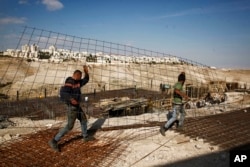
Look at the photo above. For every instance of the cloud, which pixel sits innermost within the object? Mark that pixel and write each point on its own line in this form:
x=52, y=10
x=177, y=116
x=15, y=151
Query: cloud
x=218, y=8
x=12, y=20
x=183, y=13
x=52, y=5
x=22, y=2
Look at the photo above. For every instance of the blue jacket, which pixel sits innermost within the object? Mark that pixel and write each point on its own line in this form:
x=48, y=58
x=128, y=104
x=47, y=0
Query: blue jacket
x=72, y=89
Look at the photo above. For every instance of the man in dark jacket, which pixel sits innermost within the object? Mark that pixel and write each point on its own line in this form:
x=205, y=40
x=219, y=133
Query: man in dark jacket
x=70, y=93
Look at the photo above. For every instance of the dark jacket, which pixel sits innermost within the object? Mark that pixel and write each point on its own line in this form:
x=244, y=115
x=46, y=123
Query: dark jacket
x=72, y=89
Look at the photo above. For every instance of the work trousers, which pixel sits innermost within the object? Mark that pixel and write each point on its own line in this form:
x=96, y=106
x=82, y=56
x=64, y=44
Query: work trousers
x=73, y=113
x=178, y=109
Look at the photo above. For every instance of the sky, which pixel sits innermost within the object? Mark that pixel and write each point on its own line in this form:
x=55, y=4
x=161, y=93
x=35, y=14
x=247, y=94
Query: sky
x=211, y=32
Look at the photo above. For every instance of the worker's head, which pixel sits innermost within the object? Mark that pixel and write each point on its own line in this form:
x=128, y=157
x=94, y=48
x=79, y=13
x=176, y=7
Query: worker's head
x=182, y=77
x=77, y=75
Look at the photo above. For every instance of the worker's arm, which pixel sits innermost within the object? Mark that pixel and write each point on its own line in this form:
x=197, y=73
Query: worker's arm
x=85, y=80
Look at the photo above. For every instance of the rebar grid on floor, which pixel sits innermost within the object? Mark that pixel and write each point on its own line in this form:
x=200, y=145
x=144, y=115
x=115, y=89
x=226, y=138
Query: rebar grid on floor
x=32, y=150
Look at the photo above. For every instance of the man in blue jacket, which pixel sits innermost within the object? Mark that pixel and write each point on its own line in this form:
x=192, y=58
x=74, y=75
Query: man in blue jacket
x=70, y=93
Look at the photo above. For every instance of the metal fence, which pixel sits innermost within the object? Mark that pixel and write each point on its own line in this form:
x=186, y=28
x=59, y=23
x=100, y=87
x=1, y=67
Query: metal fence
x=129, y=88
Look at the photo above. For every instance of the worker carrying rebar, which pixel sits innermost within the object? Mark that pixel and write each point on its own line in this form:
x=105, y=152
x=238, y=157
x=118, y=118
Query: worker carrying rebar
x=178, y=106
x=70, y=94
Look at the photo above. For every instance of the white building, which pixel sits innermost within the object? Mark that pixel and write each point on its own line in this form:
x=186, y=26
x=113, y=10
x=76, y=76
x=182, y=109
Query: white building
x=59, y=55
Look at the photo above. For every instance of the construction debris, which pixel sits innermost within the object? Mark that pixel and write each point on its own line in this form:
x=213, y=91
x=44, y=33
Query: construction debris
x=123, y=106
x=5, y=122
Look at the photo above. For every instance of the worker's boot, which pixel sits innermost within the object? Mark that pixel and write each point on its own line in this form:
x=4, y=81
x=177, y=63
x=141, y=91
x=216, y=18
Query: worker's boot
x=53, y=144
x=88, y=138
x=163, y=130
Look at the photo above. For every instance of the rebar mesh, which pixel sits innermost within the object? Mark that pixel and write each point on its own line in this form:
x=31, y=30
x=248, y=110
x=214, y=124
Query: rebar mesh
x=137, y=80
x=112, y=66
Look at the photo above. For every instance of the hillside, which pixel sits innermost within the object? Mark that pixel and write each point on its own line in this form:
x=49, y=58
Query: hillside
x=30, y=79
